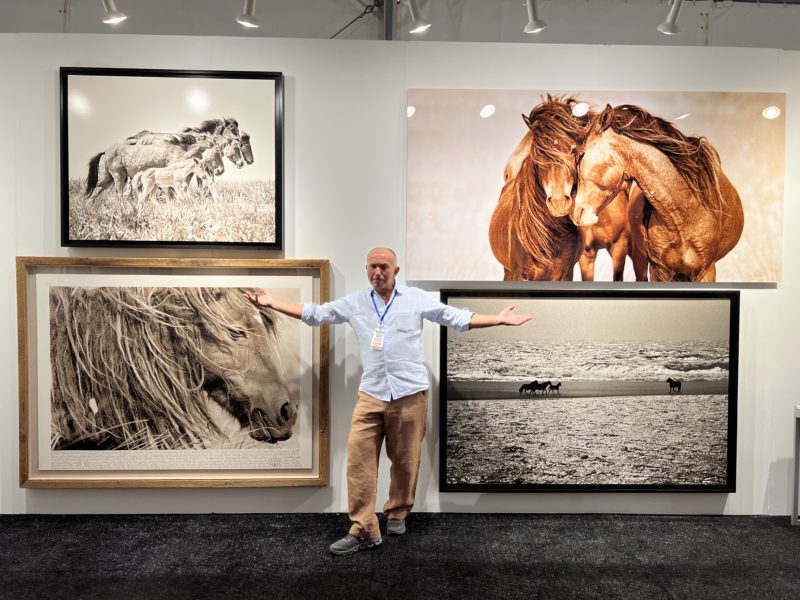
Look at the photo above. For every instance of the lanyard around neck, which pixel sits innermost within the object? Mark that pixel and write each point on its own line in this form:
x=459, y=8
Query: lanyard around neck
x=388, y=306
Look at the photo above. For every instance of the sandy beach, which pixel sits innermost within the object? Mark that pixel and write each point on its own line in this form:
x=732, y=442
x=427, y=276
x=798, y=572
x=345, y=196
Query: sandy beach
x=646, y=440
x=498, y=390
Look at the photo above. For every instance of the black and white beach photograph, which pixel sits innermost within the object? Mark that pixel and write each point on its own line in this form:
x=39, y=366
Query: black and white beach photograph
x=601, y=390
x=171, y=157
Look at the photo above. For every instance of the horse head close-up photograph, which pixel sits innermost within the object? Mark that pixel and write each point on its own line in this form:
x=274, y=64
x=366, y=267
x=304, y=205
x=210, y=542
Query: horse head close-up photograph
x=438, y=299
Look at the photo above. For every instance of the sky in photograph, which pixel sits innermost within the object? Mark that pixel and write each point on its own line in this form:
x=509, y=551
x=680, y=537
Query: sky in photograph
x=599, y=319
x=104, y=110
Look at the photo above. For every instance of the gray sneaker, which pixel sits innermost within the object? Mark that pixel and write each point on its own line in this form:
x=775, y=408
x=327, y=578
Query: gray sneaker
x=396, y=526
x=351, y=543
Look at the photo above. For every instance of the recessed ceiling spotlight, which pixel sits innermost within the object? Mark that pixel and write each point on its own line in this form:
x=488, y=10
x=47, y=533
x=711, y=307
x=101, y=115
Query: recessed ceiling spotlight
x=487, y=111
x=681, y=117
x=410, y=110
x=771, y=112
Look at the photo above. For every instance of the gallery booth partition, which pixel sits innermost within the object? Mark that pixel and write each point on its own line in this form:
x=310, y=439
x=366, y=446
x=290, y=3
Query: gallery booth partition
x=349, y=169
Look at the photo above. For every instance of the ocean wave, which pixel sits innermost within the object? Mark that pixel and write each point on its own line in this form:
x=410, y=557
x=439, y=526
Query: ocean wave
x=506, y=360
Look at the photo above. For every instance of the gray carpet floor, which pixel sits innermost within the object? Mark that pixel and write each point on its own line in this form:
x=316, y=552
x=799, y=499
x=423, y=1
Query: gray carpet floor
x=441, y=556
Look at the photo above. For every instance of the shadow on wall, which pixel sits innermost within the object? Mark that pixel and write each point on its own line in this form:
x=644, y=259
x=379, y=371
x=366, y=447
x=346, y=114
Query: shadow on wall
x=778, y=491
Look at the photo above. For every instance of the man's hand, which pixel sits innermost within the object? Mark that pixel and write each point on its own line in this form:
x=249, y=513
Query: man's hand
x=507, y=317
x=261, y=297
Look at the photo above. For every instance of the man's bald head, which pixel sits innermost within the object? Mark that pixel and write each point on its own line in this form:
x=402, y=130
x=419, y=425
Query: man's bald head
x=382, y=249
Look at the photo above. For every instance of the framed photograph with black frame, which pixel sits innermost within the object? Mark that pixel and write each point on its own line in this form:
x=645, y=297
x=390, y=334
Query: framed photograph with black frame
x=160, y=373
x=601, y=391
x=171, y=158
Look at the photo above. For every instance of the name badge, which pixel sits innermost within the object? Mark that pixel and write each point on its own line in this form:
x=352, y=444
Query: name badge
x=377, y=339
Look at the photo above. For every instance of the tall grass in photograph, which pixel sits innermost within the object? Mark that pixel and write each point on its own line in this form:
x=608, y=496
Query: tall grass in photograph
x=240, y=212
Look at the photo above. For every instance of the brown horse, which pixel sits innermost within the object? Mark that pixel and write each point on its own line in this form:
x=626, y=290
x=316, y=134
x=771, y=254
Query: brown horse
x=690, y=215
x=530, y=243
x=526, y=238
x=613, y=232
x=554, y=133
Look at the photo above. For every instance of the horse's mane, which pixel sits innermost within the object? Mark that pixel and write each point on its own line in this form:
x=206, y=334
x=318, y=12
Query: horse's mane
x=695, y=159
x=541, y=235
x=145, y=138
x=555, y=132
x=215, y=126
x=128, y=365
x=188, y=136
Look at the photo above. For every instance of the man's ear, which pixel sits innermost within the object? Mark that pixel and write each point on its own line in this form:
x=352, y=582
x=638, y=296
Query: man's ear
x=396, y=270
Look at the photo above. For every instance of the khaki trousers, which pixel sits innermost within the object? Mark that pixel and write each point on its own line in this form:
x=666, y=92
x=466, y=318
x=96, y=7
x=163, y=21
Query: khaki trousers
x=402, y=423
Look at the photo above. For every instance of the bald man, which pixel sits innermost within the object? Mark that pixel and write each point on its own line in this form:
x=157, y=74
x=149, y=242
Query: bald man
x=392, y=402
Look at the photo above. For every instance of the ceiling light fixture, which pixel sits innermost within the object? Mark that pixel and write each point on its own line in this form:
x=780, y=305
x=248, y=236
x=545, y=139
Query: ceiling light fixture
x=771, y=112
x=535, y=24
x=670, y=26
x=112, y=16
x=248, y=16
x=418, y=24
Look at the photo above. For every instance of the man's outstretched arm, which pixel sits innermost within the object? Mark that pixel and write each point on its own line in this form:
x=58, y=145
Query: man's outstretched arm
x=262, y=297
x=504, y=317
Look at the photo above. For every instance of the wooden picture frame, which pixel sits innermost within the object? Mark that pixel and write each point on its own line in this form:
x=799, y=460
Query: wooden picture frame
x=603, y=391
x=171, y=158
x=160, y=373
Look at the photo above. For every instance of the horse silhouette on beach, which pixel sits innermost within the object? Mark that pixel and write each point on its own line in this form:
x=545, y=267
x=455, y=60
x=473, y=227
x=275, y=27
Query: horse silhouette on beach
x=542, y=386
x=674, y=385
x=554, y=388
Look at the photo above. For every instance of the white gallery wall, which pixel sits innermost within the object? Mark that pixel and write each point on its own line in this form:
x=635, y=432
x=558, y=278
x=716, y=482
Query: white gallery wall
x=344, y=193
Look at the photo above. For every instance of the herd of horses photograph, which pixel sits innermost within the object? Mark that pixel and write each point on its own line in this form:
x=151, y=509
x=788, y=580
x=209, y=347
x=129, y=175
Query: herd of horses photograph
x=605, y=186
x=172, y=160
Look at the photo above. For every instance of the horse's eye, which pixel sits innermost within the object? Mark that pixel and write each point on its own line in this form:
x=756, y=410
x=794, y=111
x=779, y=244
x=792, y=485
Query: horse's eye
x=237, y=334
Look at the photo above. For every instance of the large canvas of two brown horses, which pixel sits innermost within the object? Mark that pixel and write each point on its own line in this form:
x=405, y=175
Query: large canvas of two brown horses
x=618, y=186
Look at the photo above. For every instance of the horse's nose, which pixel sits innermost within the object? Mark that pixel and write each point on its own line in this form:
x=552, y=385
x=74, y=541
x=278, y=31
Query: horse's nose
x=275, y=427
x=558, y=205
x=584, y=216
x=288, y=414
x=285, y=420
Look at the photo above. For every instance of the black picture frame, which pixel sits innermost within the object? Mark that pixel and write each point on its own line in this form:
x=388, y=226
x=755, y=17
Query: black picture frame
x=610, y=428
x=104, y=112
